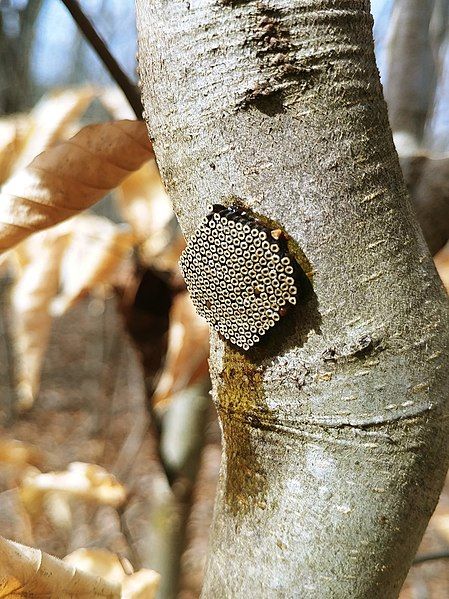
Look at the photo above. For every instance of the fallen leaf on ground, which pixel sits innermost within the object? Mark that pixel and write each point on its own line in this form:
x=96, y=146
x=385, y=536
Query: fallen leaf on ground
x=138, y=585
x=89, y=482
x=28, y=572
x=18, y=453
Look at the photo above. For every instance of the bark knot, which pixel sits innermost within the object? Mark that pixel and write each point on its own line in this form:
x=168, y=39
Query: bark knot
x=363, y=346
x=274, y=58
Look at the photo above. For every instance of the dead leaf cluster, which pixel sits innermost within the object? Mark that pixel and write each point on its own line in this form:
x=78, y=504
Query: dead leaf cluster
x=71, y=254
x=56, y=253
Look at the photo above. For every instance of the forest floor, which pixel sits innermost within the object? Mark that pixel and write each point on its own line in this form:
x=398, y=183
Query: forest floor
x=91, y=409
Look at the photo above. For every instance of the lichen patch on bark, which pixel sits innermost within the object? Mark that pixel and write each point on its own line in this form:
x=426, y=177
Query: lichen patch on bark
x=239, y=398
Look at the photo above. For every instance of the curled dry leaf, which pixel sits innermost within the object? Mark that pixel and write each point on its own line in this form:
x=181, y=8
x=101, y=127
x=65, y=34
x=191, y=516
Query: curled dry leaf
x=99, y=562
x=29, y=572
x=49, y=118
x=70, y=177
x=115, y=102
x=144, y=204
x=97, y=244
x=138, y=585
x=188, y=349
x=49, y=262
x=19, y=454
x=32, y=292
x=442, y=265
x=83, y=481
x=12, y=134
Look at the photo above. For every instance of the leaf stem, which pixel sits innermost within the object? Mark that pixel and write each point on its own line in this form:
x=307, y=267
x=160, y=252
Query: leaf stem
x=130, y=90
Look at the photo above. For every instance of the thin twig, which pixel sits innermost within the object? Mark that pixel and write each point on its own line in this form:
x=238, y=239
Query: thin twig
x=431, y=556
x=130, y=449
x=90, y=33
x=108, y=378
x=124, y=529
x=155, y=426
x=9, y=357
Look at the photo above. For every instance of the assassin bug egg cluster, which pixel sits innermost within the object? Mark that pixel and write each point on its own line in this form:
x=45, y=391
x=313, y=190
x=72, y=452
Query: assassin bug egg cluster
x=239, y=274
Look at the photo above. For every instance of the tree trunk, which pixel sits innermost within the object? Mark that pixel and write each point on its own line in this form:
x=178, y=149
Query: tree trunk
x=182, y=443
x=334, y=428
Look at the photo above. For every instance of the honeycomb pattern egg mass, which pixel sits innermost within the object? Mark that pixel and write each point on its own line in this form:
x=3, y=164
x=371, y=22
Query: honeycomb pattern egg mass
x=239, y=274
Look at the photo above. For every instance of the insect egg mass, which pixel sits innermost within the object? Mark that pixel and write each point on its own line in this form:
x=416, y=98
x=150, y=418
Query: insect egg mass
x=240, y=275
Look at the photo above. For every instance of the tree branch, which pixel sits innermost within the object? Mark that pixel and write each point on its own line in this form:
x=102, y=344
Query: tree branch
x=98, y=44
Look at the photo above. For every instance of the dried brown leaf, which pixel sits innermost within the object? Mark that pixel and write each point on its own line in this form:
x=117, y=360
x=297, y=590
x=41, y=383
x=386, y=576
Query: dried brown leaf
x=70, y=177
x=12, y=134
x=89, y=482
x=442, y=265
x=54, y=269
x=97, y=244
x=36, y=285
x=144, y=204
x=188, y=349
x=49, y=118
x=28, y=572
x=18, y=453
x=138, y=585
x=115, y=102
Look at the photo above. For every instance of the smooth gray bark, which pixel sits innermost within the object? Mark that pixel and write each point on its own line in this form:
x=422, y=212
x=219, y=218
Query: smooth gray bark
x=335, y=429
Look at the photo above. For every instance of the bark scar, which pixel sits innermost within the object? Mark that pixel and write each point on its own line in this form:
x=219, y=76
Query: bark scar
x=276, y=59
x=364, y=346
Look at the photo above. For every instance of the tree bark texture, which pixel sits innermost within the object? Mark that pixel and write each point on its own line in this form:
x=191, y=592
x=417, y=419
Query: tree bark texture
x=335, y=427
x=411, y=71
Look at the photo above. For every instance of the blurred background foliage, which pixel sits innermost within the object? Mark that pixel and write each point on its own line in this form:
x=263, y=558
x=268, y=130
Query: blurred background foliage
x=41, y=47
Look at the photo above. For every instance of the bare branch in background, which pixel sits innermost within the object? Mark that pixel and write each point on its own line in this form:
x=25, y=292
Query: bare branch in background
x=86, y=27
